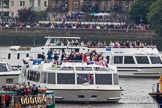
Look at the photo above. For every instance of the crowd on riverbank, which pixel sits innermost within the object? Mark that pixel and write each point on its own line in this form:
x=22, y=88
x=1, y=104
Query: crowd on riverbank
x=74, y=23
x=88, y=25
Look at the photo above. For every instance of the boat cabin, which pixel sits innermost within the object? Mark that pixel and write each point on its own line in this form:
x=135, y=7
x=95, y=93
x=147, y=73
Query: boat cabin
x=7, y=74
x=132, y=56
x=73, y=74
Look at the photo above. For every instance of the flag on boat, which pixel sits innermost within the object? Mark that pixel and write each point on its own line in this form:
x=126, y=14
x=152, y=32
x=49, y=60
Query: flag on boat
x=98, y=63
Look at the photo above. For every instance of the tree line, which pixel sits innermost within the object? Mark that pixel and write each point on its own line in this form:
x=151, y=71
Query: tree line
x=148, y=12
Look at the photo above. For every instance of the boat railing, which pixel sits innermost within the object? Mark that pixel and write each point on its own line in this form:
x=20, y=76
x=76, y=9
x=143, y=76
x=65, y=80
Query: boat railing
x=39, y=61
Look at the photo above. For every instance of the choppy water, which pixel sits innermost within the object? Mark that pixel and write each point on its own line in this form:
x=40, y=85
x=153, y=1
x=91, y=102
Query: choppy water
x=135, y=95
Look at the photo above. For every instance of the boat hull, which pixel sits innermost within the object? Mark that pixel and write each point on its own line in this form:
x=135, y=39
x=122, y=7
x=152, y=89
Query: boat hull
x=8, y=79
x=87, y=96
x=157, y=97
x=143, y=72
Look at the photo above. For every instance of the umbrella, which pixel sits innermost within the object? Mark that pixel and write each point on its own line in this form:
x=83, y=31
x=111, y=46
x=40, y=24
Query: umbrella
x=93, y=14
x=102, y=14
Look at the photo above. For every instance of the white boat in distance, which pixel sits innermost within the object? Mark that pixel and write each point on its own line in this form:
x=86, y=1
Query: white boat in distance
x=74, y=81
x=8, y=76
x=131, y=62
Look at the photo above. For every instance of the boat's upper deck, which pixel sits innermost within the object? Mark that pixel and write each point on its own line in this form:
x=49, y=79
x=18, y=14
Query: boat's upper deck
x=73, y=67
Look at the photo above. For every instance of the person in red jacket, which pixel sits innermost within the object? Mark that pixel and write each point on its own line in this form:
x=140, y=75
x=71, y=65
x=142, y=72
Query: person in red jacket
x=84, y=58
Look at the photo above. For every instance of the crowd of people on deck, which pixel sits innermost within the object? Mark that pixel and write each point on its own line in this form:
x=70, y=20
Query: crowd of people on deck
x=74, y=56
x=104, y=44
x=92, y=55
x=21, y=90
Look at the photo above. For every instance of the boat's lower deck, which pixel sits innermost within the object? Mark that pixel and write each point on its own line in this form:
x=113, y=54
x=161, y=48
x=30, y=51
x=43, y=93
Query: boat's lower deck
x=147, y=72
x=87, y=95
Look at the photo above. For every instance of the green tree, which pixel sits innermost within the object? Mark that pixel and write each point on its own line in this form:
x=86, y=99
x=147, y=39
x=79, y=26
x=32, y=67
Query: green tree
x=25, y=14
x=139, y=11
x=40, y=15
x=155, y=16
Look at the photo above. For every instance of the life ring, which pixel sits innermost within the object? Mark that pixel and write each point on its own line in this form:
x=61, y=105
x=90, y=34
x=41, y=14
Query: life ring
x=42, y=89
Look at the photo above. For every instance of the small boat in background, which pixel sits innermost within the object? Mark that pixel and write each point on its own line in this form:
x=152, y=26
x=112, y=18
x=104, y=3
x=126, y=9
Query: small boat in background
x=11, y=99
x=156, y=93
x=7, y=74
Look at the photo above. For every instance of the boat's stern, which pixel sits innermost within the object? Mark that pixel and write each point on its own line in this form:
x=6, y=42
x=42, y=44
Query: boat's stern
x=156, y=93
x=157, y=97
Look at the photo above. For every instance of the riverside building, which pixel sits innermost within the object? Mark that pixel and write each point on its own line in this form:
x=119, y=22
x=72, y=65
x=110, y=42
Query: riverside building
x=60, y=8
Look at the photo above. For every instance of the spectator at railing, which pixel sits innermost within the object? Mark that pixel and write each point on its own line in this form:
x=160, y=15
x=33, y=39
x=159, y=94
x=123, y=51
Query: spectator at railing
x=78, y=24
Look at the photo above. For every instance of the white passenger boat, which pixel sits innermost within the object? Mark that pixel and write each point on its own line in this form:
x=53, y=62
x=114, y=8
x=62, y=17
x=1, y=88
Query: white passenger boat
x=143, y=61
x=15, y=54
x=134, y=62
x=75, y=81
x=8, y=76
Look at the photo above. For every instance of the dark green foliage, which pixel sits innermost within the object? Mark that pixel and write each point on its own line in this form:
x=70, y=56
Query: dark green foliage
x=139, y=11
x=155, y=16
x=148, y=11
x=25, y=14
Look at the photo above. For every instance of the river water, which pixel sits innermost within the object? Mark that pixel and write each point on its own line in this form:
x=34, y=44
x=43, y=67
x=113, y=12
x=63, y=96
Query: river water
x=135, y=95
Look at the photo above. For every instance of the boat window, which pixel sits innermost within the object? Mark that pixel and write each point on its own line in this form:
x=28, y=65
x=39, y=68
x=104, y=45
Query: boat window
x=65, y=78
x=100, y=69
x=51, y=78
x=142, y=60
x=107, y=58
x=67, y=51
x=9, y=80
x=105, y=79
x=83, y=68
x=30, y=74
x=129, y=60
x=27, y=55
x=155, y=60
x=43, y=77
x=33, y=76
x=3, y=67
x=37, y=76
x=116, y=79
x=9, y=55
x=18, y=56
x=77, y=50
x=85, y=79
x=67, y=68
x=9, y=67
x=118, y=59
